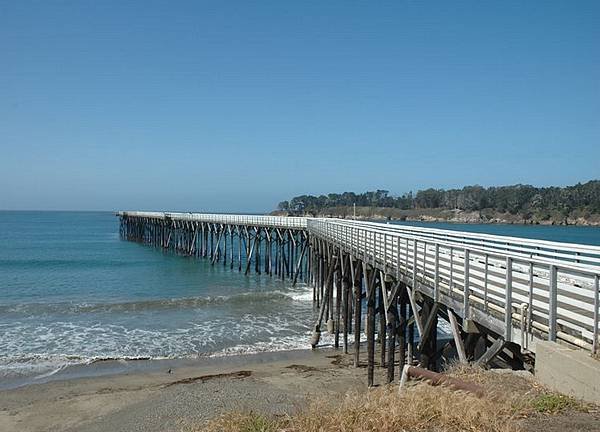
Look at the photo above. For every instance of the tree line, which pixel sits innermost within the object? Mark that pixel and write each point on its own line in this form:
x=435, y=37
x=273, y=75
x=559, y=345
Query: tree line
x=516, y=199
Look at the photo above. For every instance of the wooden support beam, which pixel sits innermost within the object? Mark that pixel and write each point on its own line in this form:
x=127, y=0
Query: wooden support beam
x=345, y=296
x=458, y=342
x=357, y=277
x=338, y=304
x=415, y=312
x=387, y=297
x=249, y=257
x=427, y=329
x=215, y=254
x=411, y=336
x=231, y=247
x=299, y=263
x=258, y=237
x=370, y=278
x=325, y=302
x=382, y=312
x=224, y=228
x=428, y=344
x=240, y=240
x=492, y=352
x=392, y=323
x=401, y=329
x=330, y=286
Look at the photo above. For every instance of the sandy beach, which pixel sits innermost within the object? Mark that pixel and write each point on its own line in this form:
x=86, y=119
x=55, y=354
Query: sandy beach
x=147, y=397
x=181, y=395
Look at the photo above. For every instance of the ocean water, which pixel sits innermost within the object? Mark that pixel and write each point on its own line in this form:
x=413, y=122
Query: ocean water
x=72, y=292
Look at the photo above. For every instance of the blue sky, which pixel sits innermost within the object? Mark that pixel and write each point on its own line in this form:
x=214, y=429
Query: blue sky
x=234, y=106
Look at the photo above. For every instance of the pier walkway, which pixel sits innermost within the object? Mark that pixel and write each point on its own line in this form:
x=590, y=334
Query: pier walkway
x=501, y=295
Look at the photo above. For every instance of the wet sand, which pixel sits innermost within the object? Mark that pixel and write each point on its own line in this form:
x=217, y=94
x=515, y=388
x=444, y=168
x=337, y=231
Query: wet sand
x=147, y=397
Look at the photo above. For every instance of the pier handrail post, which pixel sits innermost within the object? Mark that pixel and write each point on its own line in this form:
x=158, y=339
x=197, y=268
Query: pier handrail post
x=437, y=273
x=552, y=303
x=385, y=259
x=508, y=301
x=596, y=305
x=414, y=275
x=466, y=285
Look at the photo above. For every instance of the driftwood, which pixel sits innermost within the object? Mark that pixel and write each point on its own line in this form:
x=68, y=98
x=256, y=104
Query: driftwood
x=437, y=379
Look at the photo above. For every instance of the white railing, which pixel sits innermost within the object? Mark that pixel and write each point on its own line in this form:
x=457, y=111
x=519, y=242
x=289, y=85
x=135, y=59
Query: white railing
x=537, y=289
x=572, y=252
x=229, y=219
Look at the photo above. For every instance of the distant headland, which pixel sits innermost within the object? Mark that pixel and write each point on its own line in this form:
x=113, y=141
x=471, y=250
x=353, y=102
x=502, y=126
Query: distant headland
x=517, y=204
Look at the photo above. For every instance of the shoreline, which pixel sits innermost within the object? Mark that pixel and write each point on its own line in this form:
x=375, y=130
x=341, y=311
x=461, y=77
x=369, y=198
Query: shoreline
x=109, y=367
x=165, y=395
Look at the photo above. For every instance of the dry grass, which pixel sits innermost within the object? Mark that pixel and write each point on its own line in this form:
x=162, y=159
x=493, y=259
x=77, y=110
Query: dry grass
x=525, y=395
x=419, y=407
x=244, y=422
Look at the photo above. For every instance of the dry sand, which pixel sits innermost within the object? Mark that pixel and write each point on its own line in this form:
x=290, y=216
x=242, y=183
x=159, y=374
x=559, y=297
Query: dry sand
x=156, y=400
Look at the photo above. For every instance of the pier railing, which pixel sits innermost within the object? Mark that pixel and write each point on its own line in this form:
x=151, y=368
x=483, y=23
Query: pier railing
x=229, y=219
x=534, y=289
x=571, y=252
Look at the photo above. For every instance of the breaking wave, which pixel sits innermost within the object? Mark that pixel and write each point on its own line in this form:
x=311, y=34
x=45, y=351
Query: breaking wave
x=156, y=304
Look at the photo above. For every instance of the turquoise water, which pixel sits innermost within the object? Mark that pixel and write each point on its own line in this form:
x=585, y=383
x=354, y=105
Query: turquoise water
x=72, y=292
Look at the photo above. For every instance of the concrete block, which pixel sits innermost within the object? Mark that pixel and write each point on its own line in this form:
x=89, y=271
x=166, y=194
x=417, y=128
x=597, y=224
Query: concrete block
x=569, y=371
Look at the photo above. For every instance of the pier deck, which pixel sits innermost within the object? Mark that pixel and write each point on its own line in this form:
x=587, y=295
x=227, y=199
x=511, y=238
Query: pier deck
x=501, y=295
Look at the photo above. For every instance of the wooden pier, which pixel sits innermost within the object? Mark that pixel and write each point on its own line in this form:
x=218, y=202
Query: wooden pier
x=270, y=245
x=500, y=295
